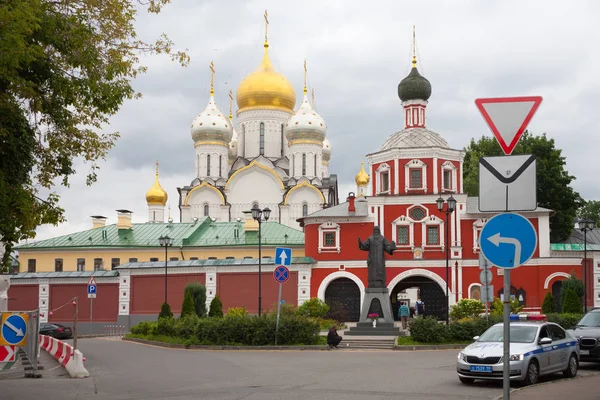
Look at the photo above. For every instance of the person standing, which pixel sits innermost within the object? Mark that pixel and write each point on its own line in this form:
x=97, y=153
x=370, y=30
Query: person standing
x=419, y=307
x=404, y=312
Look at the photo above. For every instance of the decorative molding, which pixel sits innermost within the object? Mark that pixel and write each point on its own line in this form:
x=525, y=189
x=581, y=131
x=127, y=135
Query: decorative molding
x=555, y=275
x=204, y=184
x=415, y=164
x=409, y=153
x=329, y=227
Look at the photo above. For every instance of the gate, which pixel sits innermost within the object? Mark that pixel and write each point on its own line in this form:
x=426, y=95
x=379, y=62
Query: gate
x=431, y=293
x=343, y=297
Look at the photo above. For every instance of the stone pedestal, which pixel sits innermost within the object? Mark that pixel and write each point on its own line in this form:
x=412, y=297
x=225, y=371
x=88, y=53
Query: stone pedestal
x=383, y=296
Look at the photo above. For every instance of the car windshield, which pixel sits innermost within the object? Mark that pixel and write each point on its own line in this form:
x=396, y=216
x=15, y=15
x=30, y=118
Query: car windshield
x=590, y=319
x=518, y=334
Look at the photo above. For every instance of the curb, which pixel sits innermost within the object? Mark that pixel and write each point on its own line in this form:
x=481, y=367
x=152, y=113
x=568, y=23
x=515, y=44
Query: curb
x=223, y=347
x=553, y=382
x=429, y=347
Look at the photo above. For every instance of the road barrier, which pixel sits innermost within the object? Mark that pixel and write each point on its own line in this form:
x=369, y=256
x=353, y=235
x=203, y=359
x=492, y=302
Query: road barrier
x=114, y=330
x=71, y=360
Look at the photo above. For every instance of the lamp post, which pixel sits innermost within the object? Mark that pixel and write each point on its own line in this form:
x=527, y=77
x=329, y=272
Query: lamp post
x=585, y=225
x=260, y=216
x=166, y=242
x=449, y=210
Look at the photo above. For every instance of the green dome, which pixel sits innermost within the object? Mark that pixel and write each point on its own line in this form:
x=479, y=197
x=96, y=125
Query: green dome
x=414, y=86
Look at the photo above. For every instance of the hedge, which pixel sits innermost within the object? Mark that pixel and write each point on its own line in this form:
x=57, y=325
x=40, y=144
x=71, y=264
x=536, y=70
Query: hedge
x=567, y=321
x=429, y=330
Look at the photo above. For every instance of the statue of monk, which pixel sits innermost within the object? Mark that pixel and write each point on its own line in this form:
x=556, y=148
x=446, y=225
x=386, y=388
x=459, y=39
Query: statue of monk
x=377, y=245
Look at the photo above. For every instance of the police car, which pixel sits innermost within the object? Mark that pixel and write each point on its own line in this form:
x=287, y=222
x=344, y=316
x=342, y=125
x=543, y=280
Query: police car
x=536, y=348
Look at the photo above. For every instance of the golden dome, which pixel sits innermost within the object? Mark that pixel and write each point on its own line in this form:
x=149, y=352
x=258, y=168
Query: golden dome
x=362, y=178
x=266, y=88
x=156, y=195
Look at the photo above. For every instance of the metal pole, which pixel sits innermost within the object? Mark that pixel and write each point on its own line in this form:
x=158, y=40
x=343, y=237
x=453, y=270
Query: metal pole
x=75, y=316
x=585, y=270
x=278, y=310
x=447, y=267
x=91, y=310
x=506, y=345
x=259, y=268
x=165, y=273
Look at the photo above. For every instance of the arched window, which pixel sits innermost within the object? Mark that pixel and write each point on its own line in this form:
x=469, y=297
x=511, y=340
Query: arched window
x=208, y=165
x=304, y=210
x=206, y=210
x=281, y=140
x=220, y=165
x=303, y=164
x=244, y=141
x=262, y=138
x=315, y=165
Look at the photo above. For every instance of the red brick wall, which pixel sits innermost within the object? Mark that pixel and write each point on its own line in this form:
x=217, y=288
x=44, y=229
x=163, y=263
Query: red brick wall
x=148, y=292
x=105, y=305
x=23, y=297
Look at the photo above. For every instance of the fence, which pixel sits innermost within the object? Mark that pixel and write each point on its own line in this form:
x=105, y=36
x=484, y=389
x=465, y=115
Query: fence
x=115, y=330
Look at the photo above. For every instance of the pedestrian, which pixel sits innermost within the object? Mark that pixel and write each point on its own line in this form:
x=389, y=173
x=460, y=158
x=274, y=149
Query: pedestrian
x=333, y=339
x=404, y=312
x=419, y=307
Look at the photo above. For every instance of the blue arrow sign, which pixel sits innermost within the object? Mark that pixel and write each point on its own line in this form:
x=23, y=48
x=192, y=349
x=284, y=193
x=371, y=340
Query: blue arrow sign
x=281, y=274
x=14, y=329
x=508, y=240
x=91, y=289
x=283, y=256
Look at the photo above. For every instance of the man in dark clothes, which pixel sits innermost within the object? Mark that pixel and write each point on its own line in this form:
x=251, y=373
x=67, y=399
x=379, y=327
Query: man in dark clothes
x=333, y=339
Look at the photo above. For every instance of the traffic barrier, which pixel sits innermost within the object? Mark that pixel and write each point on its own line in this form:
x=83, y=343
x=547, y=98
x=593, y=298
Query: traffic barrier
x=114, y=330
x=71, y=360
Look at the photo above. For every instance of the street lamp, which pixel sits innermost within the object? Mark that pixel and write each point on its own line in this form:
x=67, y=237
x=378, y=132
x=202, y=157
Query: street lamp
x=449, y=210
x=260, y=216
x=585, y=225
x=165, y=242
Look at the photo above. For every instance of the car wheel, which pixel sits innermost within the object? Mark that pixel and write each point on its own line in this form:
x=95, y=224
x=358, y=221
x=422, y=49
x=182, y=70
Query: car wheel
x=51, y=334
x=533, y=374
x=466, y=381
x=571, y=370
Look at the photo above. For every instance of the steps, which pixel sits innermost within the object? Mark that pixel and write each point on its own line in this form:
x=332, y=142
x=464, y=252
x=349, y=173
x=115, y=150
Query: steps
x=366, y=329
x=369, y=344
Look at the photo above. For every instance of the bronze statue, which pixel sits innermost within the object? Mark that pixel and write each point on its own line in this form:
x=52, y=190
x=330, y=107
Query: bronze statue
x=377, y=245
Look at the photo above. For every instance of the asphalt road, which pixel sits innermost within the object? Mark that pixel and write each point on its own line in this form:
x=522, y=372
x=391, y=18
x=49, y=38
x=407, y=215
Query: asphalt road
x=124, y=370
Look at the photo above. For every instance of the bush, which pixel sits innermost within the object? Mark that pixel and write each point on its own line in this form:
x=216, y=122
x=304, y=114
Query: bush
x=466, y=308
x=165, y=311
x=144, y=328
x=198, y=293
x=427, y=330
x=549, y=305
x=567, y=321
x=497, y=308
x=571, y=284
x=237, y=312
x=314, y=307
x=216, y=308
x=165, y=326
x=572, y=304
x=185, y=327
x=467, y=328
x=187, y=308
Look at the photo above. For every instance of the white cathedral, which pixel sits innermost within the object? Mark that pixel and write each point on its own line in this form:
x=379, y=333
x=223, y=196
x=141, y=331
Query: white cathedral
x=276, y=158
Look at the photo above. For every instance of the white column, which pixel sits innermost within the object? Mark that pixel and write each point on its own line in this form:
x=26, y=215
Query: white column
x=460, y=281
x=396, y=189
x=381, y=220
x=435, y=176
x=44, y=299
x=124, y=291
x=211, y=285
x=453, y=273
x=304, y=276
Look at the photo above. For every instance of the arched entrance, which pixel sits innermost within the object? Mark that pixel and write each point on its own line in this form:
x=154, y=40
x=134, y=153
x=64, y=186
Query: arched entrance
x=343, y=297
x=429, y=290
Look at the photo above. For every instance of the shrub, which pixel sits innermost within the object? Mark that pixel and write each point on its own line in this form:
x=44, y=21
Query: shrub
x=237, y=312
x=427, y=330
x=467, y=328
x=567, y=321
x=144, y=328
x=165, y=311
x=165, y=326
x=571, y=283
x=198, y=293
x=466, y=308
x=216, y=308
x=572, y=303
x=185, y=327
x=498, y=307
x=549, y=305
x=187, y=308
x=314, y=307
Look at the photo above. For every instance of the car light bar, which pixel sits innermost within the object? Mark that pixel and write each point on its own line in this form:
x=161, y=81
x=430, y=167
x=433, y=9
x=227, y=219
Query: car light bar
x=527, y=317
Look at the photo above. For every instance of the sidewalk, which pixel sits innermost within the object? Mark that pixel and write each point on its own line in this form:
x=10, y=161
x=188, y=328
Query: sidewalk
x=585, y=388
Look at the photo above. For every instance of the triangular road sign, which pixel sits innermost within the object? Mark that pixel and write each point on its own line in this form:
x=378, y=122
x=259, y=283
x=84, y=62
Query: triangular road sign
x=508, y=117
x=92, y=281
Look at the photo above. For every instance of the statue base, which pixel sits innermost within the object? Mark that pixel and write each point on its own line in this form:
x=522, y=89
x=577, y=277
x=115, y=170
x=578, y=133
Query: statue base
x=379, y=299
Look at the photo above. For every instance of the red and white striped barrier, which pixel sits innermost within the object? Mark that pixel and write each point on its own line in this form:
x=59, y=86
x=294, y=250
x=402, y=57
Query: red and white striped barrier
x=62, y=352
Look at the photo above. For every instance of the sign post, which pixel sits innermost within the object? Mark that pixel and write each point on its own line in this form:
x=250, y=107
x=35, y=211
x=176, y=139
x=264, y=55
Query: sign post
x=92, y=290
x=283, y=258
x=507, y=184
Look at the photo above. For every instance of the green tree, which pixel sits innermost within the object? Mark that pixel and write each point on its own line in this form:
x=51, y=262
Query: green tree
x=466, y=308
x=165, y=311
x=216, y=308
x=66, y=67
x=549, y=305
x=590, y=210
x=198, y=293
x=572, y=304
x=572, y=283
x=314, y=307
x=187, y=308
x=554, y=189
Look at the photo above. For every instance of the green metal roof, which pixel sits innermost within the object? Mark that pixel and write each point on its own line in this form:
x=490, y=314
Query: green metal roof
x=203, y=233
x=65, y=274
x=211, y=263
x=574, y=246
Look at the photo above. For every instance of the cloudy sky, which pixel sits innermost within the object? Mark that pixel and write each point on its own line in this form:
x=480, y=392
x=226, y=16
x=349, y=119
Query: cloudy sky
x=357, y=52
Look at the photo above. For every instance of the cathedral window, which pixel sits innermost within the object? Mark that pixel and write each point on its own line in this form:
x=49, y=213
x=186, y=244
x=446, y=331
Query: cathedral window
x=415, y=179
x=220, y=165
x=329, y=237
x=449, y=178
x=262, y=138
x=415, y=175
x=403, y=235
x=382, y=175
x=433, y=235
x=385, y=181
x=244, y=141
x=58, y=265
x=81, y=264
x=417, y=213
x=303, y=164
x=304, y=210
x=315, y=165
x=282, y=141
x=208, y=165
x=206, y=210
x=403, y=231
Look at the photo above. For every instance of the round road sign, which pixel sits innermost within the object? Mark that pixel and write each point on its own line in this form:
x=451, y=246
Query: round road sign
x=281, y=274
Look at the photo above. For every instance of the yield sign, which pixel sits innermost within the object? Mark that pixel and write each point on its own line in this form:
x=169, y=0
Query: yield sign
x=7, y=353
x=508, y=117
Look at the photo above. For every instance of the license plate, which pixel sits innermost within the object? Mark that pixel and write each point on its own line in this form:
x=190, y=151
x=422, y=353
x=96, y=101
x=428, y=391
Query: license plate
x=480, y=368
x=584, y=352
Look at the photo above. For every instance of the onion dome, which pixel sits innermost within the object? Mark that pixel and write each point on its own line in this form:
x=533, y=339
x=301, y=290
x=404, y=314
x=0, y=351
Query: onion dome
x=414, y=86
x=306, y=124
x=362, y=178
x=266, y=88
x=211, y=126
x=156, y=195
x=326, y=150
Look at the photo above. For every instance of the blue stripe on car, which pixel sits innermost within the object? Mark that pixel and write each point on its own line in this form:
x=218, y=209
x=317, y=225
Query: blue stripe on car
x=551, y=347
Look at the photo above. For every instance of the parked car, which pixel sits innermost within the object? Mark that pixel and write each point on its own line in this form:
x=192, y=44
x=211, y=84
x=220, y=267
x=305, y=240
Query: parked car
x=536, y=349
x=56, y=330
x=587, y=331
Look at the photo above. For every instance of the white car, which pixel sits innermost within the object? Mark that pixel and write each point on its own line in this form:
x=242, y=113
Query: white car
x=536, y=348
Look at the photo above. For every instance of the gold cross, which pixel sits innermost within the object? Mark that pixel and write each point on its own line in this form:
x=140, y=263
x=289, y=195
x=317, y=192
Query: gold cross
x=212, y=77
x=266, y=26
x=156, y=167
x=305, y=70
x=414, y=57
x=230, y=104
x=313, y=98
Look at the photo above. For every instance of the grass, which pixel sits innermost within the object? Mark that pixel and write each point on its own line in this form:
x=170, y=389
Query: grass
x=409, y=341
x=322, y=340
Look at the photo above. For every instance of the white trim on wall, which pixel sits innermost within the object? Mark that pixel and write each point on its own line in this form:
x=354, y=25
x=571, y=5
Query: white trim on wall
x=340, y=274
